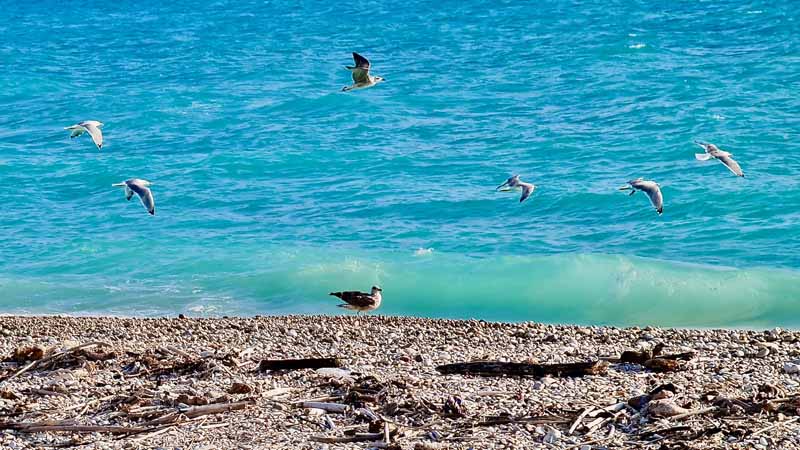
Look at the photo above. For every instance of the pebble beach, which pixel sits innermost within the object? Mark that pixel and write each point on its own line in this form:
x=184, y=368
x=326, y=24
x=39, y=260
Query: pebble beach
x=191, y=383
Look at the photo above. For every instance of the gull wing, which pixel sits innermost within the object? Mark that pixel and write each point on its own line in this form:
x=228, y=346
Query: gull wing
x=361, y=69
x=702, y=156
x=356, y=298
x=361, y=62
x=527, y=190
x=727, y=159
x=94, y=132
x=145, y=195
x=654, y=192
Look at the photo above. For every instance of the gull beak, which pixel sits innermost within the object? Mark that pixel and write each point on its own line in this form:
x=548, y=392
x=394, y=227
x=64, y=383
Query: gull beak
x=502, y=185
x=701, y=144
x=626, y=187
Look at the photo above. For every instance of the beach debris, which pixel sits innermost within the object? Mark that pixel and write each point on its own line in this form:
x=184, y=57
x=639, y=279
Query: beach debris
x=453, y=407
x=338, y=408
x=499, y=368
x=26, y=354
x=240, y=388
x=51, y=361
x=386, y=400
x=654, y=360
x=296, y=364
x=665, y=407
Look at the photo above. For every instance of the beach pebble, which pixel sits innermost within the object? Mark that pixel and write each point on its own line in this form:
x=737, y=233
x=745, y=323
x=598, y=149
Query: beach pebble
x=791, y=368
x=315, y=412
x=552, y=436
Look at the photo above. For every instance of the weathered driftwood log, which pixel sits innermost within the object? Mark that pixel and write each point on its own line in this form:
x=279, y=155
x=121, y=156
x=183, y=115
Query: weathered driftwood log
x=53, y=427
x=294, y=364
x=358, y=437
x=497, y=368
x=339, y=408
x=634, y=357
x=197, y=411
x=662, y=365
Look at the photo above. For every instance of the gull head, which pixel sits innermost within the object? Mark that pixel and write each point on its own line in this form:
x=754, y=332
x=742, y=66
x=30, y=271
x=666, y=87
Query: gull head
x=376, y=289
x=511, y=182
x=379, y=80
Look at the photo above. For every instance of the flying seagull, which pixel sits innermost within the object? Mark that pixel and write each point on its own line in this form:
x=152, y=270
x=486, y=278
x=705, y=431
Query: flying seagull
x=514, y=183
x=651, y=188
x=142, y=189
x=92, y=126
x=360, y=301
x=712, y=151
x=361, y=77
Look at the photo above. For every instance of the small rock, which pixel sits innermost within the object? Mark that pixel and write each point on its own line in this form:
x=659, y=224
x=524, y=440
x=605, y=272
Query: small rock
x=291, y=333
x=791, y=368
x=315, y=412
x=240, y=388
x=552, y=436
x=664, y=408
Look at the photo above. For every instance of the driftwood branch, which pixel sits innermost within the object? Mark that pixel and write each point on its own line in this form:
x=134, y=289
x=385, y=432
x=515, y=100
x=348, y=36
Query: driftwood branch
x=197, y=411
x=327, y=407
x=50, y=358
x=295, y=364
x=358, y=437
x=496, y=368
x=54, y=427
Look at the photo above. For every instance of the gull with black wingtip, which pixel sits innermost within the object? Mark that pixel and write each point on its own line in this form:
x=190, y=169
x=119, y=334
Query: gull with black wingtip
x=651, y=188
x=726, y=158
x=360, y=301
x=142, y=189
x=90, y=126
x=361, y=76
x=514, y=183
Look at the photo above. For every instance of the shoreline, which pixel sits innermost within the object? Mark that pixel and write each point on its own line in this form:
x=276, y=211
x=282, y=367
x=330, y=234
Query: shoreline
x=339, y=313
x=194, y=383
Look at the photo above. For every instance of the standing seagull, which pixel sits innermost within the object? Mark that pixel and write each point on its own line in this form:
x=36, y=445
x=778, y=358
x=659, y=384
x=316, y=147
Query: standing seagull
x=651, y=188
x=712, y=151
x=360, y=301
x=361, y=76
x=92, y=126
x=142, y=189
x=514, y=183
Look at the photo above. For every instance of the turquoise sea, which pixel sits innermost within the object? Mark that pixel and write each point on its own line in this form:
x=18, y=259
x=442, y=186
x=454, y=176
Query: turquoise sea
x=273, y=188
